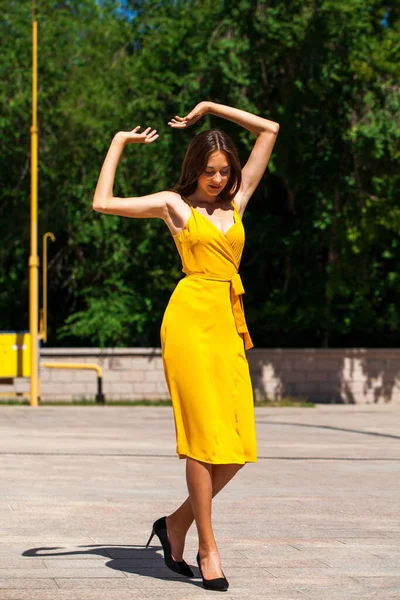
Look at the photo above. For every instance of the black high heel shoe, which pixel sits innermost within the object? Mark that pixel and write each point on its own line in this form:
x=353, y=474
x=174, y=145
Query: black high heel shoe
x=220, y=584
x=160, y=530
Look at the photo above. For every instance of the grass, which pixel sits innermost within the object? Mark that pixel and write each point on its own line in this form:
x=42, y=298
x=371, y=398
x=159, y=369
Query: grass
x=286, y=402
x=289, y=401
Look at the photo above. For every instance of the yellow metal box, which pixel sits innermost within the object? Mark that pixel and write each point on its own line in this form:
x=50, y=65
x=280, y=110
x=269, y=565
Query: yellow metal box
x=15, y=354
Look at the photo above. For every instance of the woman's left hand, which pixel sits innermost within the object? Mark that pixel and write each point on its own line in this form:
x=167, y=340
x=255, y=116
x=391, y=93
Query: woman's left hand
x=199, y=111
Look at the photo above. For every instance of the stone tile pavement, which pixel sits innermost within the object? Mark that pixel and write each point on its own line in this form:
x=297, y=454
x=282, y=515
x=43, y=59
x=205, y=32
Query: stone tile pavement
x=317, y=517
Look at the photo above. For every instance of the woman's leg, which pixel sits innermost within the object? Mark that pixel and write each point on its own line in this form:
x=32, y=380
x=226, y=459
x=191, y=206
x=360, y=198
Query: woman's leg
x=199, y=481
x=179, y=521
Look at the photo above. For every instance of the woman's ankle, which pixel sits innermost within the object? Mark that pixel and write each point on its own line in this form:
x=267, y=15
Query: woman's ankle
x=177, y=524
x=207, y=548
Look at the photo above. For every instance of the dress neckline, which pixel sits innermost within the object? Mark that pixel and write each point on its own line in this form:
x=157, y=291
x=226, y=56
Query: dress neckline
x=211, y=223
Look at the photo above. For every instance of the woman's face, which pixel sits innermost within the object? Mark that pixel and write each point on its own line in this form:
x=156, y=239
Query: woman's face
x=216, y=174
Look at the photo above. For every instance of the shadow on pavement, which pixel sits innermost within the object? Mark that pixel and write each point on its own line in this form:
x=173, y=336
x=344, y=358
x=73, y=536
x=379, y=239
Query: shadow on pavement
x=127, y=559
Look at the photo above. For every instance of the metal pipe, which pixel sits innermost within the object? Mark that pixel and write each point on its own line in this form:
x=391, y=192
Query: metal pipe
x=82, y=366
x=43, y=312
x=100, y=399
x=33, y=257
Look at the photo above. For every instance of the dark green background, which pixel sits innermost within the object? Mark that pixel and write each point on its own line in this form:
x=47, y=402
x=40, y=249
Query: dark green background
x=320, y=266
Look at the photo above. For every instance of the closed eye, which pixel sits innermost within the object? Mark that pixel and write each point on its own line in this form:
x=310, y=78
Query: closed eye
x=222, y=172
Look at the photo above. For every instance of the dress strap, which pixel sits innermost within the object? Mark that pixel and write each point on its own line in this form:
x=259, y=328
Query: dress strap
x=235, y=212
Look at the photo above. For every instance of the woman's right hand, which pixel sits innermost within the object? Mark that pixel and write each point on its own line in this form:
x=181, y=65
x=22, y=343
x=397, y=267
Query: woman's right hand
x=134, y=137
x=199, y=111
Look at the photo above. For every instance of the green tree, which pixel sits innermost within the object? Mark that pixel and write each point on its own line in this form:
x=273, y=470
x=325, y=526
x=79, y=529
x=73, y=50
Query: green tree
x=323, y=226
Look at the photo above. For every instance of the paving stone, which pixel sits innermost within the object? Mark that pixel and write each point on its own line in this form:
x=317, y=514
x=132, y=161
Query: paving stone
x=86, y=563
x=346, y=554
x=52, y=540
x=267, y=594
x=71, y=583
x=14, y=563
x=179, y=594
x=349, y=571
x=54, y=572
x=57, y=594
x=371, y=543
x=381, y=582
x=390, y=560
x=27, y=583
x=335, y=594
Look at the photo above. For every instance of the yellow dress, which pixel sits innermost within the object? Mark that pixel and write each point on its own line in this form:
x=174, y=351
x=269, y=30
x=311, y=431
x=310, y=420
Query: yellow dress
x=203, y=340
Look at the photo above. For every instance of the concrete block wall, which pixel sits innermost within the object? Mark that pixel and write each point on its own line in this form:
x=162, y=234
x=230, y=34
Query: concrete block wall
x=349, y=376
x=128, y=374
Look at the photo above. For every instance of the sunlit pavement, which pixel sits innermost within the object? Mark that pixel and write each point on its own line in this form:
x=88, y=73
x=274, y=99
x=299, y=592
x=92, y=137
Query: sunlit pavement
x=317, y=517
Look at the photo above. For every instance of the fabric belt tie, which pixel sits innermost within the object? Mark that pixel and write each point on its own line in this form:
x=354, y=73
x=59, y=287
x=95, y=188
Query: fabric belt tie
x=236, y=290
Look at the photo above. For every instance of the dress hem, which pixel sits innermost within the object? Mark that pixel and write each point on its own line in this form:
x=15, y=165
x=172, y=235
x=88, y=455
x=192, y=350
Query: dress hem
x=220, y=462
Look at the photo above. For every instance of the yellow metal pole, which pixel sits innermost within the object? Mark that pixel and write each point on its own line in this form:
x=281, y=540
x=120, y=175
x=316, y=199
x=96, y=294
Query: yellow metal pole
x=43, y=312
x=33, y=257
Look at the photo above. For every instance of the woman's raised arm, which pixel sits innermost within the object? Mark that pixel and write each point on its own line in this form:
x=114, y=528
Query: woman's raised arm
x=266, y=132
x=153, y=205
x=264, y=129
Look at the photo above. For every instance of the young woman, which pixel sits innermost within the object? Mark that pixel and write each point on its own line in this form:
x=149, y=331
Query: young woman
x=203, y=333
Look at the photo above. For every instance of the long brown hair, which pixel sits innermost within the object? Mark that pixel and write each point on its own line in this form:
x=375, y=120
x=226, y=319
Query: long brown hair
x=195, y=162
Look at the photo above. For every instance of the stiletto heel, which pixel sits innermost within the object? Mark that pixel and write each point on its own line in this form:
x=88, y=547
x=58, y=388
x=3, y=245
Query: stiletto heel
x=150, y=538
x=219, y=584
x=160, y=530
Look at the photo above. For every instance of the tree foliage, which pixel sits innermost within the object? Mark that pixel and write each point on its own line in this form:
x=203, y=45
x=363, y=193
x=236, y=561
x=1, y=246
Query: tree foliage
x=323, y=227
